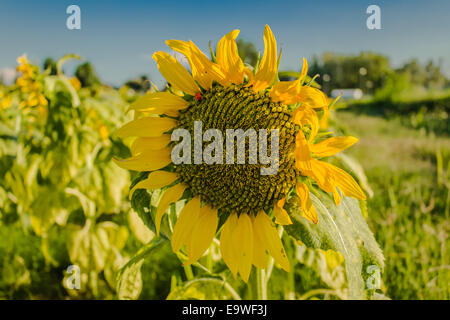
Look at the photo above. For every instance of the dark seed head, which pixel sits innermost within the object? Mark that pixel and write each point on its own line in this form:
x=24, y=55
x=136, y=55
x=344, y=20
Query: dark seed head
x=240, y=187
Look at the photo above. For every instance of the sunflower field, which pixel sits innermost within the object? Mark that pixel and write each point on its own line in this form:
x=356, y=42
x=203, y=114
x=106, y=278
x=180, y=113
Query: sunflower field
x=93, y=207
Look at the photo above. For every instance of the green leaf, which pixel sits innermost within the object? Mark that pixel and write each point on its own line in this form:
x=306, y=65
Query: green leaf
x=138, y=228
x=349, y=163
x=141, y=203
x=90, y=246
x=56, y=85
x=327, y=264
x=54, y=209
x=87, y=204
x=341, y=228
x=129, y=279
x=14, y=272
x=129, y=286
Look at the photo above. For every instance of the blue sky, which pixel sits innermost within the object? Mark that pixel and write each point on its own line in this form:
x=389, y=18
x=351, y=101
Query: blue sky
x=119, y=37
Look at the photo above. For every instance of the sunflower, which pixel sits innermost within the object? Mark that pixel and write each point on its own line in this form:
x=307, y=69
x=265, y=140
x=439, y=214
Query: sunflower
x=5, y=100
x=29, y=85
x=223, y=92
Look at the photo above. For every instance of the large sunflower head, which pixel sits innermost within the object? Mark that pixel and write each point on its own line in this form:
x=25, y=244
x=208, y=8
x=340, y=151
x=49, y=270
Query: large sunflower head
x=222, y=93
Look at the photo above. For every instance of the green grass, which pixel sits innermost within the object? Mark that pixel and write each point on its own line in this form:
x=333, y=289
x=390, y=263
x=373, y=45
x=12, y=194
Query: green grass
x=409, y=171
x=427, y=112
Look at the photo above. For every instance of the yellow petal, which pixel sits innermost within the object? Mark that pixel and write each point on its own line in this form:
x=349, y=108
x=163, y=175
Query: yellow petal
x=345, y=182
x=319, y=172
x=226, y=244
x=23, y=59
x=175, y=73
x=186, y=222
x=304, y=69
x=324, y=120
x=158, y=102
x=146, y=127
x=313, y=98
x=146, y=161
x=332, y=146
x=288, y=92
x=228, y=57
x=268, y=67
x=307, y=116
x=137, y=114
x=180, y=46
x=243, y=245
x=259, y=250
x=185, y=48
x=281, y=216
x=336, y=196
x=204, y=71
x=155, y=180
x=202, y=234
x=309, y=212
x=302, y=154
x=170, y=196
x=207, y=70
x=325, y=179
x=270, y=239
x=330, y=183
x=144, y=144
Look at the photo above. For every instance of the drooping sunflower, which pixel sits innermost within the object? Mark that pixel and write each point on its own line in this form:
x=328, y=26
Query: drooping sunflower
x=224, y=93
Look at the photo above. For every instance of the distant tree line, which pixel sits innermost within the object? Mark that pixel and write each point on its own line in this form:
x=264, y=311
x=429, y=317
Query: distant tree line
x=88, y=78
x=372, y=72
x=369, y=71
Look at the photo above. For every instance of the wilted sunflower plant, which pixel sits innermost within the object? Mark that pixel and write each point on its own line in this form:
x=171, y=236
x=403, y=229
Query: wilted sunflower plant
x=230, y=210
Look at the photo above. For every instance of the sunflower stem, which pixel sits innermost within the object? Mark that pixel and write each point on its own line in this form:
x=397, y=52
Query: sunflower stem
x=271, y=260
x=261, y=284
x=269, y=269
x=188, y=272
x=209, y=261
x=290, y=294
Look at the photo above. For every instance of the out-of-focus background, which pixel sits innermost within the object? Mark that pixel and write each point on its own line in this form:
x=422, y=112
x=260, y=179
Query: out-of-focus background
x=62, y=201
